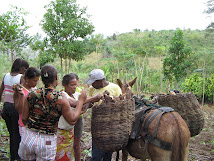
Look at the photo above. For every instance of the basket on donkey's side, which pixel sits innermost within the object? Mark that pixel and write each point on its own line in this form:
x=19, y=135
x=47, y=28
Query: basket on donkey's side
x=187, y=106
x=111, y=124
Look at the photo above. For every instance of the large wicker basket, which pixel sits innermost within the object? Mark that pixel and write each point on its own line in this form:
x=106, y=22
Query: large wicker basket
x=111, y=124
x=188, y=107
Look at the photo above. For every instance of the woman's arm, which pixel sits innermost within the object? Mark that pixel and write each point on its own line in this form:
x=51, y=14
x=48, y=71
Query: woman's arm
x=25, y=113
x=18, y=98
x=18, y=102
x=93, y=99
x=72, y=116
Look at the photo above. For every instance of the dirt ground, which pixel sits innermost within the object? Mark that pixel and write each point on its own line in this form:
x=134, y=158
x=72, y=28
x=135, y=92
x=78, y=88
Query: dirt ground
x=201, y=147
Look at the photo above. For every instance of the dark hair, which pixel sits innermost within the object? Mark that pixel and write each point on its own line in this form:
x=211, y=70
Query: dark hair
x=74, y=74
x=25, y=64
x=32, y=72
x=48, y=74
x=68, y=77
x=16, y=67
x=18, y=64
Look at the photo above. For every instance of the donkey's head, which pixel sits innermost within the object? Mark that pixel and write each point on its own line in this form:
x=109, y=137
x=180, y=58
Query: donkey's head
x=126, y=87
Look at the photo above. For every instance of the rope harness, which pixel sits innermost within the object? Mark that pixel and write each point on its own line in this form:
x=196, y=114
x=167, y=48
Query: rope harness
x=141, y=132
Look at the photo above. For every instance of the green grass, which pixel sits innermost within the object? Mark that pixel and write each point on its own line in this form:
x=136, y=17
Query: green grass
x=4, y=143
x=202, y=142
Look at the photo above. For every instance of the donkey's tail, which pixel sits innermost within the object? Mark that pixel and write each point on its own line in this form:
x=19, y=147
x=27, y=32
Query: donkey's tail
x=180, y=140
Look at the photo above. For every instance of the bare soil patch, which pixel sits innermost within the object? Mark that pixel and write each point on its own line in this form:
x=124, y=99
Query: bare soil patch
x=201, y=147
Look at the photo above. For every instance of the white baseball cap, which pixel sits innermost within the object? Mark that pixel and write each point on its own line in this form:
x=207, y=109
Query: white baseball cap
x=96, y=74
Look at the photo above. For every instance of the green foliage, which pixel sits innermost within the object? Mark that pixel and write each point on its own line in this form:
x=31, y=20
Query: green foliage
x=210, y=88
x=175, y=65
x=13, y=30
x=5, y=65
x=64, y=22
x=46, y=53
x=210, y=7
x=209, y=11
x=194, y=83
x=98, y=41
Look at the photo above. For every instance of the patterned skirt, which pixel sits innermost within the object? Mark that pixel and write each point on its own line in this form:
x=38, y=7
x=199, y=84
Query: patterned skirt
x=65, y=140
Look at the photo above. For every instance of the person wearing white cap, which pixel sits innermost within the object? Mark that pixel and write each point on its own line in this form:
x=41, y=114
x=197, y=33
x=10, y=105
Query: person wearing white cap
x=99, y=84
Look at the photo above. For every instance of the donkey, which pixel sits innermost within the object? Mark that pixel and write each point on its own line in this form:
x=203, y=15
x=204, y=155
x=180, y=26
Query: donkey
x=167, y=129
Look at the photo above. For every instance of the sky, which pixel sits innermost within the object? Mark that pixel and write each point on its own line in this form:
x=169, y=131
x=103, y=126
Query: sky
x=121, y=16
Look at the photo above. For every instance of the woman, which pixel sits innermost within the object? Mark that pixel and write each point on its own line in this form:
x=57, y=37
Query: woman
x=31, y=79
x=68, y=140
x=9, y=114
x=42, y=109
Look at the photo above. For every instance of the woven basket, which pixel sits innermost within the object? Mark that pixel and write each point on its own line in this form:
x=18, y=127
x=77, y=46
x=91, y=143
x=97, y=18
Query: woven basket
x=111, y=124
x=188, y=107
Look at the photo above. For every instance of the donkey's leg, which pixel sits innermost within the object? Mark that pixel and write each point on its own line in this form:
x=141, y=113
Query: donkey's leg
x=124, y=154
x=186, y=154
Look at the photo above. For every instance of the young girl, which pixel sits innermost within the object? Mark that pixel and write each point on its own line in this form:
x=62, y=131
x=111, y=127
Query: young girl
x=68, y=138
x=31, y=78
x=9, y=114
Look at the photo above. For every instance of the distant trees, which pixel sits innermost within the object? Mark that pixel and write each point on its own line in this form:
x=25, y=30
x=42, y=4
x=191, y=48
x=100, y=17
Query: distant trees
x=13, y=36
x=66, y=24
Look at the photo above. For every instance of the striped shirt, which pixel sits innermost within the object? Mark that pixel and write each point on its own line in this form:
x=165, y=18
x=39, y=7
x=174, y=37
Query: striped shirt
x=9, y=81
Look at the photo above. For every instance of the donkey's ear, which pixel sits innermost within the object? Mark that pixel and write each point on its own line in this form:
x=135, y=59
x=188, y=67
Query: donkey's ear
x=120, y=84
x=131, y=83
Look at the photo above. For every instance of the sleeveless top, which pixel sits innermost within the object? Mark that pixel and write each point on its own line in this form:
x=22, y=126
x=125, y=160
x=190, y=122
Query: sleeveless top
x=63, y=124
x=45, y=108
x=9, y=81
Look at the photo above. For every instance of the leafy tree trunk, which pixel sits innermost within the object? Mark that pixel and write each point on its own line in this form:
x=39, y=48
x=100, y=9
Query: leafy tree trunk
x=161, y=83
x=97, y=58
x=168, y=86
x=112, y=76
x=204, y=74
x=61, y=68
x=135, y=63
x=141, y=73
x=213, y=97
x=161, y=79
x=118, y=71
x=66, y=66
x=69, y=65
x=12, y=56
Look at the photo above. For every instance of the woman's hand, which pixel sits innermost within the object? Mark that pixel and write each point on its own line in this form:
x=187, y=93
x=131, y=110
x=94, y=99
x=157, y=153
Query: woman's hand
x=18, y=89
x=83, y=96
x=84, y=108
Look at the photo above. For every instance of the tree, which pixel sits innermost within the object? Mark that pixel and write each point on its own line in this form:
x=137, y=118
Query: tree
x=210, y=10
x=98, y=40
x=46, y=53
x=13, y=31
x=175, y=65
x=64, y=23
